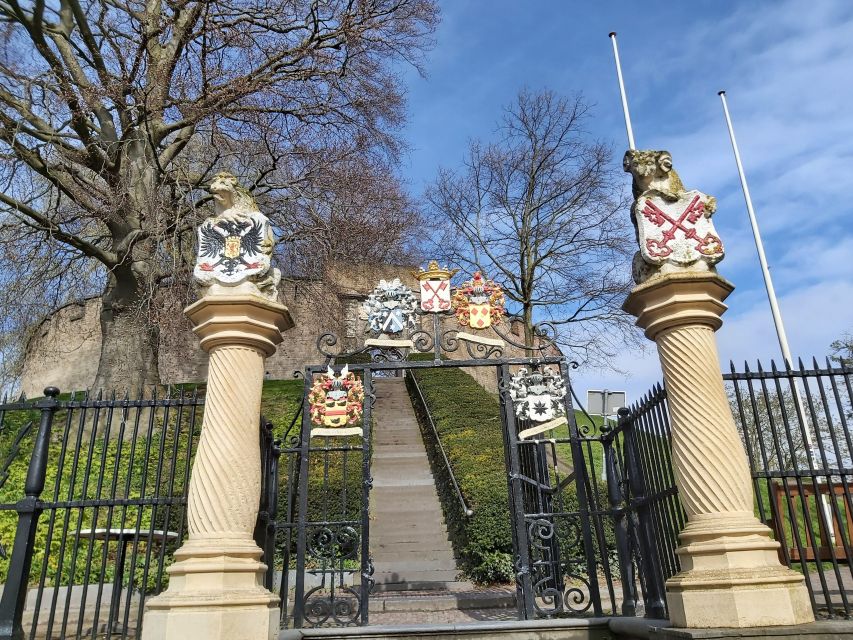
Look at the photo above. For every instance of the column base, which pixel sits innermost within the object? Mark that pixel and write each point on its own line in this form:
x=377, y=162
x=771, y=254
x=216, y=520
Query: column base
x=732, y=577
x=215, y=592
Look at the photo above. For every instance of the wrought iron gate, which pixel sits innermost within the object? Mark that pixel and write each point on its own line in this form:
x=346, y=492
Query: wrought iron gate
x=562, y=516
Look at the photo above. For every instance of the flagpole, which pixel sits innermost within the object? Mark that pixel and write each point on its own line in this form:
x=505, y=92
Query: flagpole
x=774, y=309
x=625, y=111
x=759, y=245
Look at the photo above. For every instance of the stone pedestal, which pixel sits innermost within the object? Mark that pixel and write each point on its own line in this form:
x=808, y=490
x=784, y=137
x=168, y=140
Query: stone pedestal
x=216, y=583
x=731, y=575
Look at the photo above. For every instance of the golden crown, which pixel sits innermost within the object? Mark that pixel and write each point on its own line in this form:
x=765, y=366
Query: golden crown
x=434, y=272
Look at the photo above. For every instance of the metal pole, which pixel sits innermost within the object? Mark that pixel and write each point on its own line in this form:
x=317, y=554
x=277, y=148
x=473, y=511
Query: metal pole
x=29, y=509
x=759, y=245
x=628, y=127
x=774, y=304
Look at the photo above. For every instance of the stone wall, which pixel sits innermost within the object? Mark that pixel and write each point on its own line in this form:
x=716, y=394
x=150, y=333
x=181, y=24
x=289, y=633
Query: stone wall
x=65, y=348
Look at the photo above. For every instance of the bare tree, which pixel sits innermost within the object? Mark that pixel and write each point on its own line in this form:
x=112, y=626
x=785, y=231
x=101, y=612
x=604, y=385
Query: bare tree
x=541, y=211
x=113, y=115
x=355, y=213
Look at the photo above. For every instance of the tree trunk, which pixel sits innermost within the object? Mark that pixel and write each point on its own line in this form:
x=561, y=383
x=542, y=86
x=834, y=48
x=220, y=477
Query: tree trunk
x=529, y=336
x=129, y=342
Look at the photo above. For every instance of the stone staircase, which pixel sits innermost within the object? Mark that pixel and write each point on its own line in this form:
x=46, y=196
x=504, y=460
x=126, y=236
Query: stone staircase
x=408, y=537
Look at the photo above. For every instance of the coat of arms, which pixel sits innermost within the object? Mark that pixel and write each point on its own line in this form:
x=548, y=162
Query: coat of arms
x=538, y=398
x=435, y=287
x=231, y=250
x=479, y=303
x=336, y=403
x=390, y=308
x=679, y=231
x=674, y=228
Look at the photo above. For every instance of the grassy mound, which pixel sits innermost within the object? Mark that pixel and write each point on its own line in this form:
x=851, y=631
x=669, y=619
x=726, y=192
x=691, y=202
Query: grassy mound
x=468, y=422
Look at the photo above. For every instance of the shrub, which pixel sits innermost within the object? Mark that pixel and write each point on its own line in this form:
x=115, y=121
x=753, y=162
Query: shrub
x=467, y=419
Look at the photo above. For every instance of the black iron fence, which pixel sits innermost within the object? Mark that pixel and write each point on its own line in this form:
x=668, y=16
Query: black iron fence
x=92, y=506
x=644, y=503
x=796, y=427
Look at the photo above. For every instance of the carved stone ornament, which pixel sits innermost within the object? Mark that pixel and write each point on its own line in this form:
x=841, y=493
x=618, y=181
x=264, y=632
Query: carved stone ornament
x=673, y=225
x=390, y=308
x=538, y=398
x=336, y=402
x=479, y=302
x=435, y=287
x=235, y=244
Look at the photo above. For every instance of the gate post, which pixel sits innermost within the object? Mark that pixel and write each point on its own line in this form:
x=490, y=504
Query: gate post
x=731, y=575
x=216, y=587
x=29, y=509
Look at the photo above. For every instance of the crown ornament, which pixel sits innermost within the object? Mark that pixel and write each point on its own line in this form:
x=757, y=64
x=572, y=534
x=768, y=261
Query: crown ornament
x=434, y=272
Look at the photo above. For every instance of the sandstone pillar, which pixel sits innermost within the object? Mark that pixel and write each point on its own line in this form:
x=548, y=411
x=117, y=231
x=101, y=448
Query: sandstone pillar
x=216, y=584
x=730, y=572
x=731, y=575
x=216, y=587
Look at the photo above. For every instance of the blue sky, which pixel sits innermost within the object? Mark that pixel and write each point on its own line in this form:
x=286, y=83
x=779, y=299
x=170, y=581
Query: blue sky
x=787, y=68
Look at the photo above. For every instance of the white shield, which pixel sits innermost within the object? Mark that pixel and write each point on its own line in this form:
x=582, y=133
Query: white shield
x=231, y=250
x=677, y=231
x=435, y=295
x=540, y=408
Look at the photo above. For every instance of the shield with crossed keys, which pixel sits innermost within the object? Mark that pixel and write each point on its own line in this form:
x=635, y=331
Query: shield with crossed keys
x=435, y=295
x=435, y=287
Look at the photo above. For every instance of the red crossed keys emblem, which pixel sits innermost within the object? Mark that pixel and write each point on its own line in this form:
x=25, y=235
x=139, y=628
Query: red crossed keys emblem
x=440, y=295
x=707, y=245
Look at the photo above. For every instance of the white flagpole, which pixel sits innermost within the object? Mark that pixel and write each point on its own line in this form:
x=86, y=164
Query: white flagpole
x=759, y=245
x=631, y=144
x=774, y=309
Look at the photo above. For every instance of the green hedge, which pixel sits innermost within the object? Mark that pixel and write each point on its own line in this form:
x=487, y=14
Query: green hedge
x=467, y=419
x=468, y=422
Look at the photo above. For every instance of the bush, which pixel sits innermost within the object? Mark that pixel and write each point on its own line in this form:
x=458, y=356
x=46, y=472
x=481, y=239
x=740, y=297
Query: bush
x=467, y=419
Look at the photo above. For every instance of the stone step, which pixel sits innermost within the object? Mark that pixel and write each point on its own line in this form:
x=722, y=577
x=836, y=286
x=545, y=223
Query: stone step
x=417, y=565
x=390, y=601
x=406, y=533
x=393, y=512
x=434, y=585
x=439, y=556
x=401, y=575
x=401, y=546
x=408, y=538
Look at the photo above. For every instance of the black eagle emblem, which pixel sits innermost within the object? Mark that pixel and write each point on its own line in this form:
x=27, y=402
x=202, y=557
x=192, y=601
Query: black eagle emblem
x=231, y=243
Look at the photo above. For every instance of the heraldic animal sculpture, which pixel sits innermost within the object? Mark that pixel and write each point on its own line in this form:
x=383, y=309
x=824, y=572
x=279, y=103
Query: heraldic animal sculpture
x=236, y=243
x=672, y=225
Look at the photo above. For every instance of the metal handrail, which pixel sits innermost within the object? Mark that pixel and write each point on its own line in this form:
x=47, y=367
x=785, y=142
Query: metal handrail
x=465, y=508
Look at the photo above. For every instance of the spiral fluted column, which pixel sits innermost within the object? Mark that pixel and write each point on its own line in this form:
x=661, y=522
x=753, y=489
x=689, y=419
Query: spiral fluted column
x=216, y=587
x=220, y=506
x=730, y=571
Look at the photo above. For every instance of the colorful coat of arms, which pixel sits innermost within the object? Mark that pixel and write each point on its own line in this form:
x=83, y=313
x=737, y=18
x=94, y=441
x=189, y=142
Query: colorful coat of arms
x=336, y=403
x=538, y=398
x=678, y=231
x=435, y=287
x=232, y=250
x=479, y=303
x=390, y=308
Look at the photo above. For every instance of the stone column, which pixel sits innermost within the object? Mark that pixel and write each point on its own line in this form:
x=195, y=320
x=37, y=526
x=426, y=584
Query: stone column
x=730, y=572
x=216, y=587
x=216, y=583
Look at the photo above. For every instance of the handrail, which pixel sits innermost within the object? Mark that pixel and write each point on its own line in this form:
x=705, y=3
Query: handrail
x=465, y=508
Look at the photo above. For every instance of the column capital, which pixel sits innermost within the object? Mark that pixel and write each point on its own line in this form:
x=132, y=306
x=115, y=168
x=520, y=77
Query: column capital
x=243, y=319
x=678, y=299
